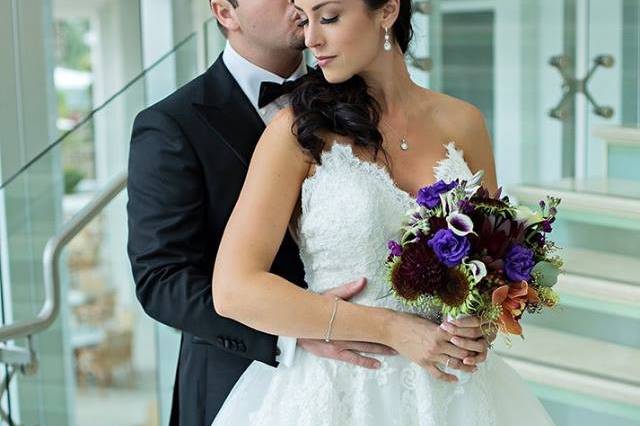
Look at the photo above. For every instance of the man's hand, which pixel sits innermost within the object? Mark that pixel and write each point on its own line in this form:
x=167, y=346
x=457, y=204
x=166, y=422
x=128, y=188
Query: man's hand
x=345, y=350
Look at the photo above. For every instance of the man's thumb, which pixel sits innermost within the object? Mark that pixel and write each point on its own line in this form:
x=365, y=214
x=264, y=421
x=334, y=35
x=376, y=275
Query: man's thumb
x=348, y=290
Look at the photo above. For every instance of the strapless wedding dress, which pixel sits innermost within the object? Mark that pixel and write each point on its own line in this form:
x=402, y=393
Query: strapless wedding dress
x=350, y=209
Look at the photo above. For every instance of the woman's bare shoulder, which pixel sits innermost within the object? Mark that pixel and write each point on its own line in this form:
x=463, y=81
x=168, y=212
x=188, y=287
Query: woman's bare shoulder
x=278, y=150
x=453, y=116
x=463, y=123
x=280, y=136
x=282, y=125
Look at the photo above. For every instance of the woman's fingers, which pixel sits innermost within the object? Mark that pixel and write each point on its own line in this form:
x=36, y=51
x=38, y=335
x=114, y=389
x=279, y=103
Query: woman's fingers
x=478, y=358
x=456, y=364
x=439, y=374
x=467, y=322
x=455, y=351
x=479, y=345
x=470, y=332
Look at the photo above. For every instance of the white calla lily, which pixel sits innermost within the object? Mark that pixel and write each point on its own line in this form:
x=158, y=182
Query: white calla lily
x=478, y=268
x=460, y=224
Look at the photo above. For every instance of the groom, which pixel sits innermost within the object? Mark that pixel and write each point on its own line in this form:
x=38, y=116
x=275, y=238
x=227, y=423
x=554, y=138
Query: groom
x=188, y=160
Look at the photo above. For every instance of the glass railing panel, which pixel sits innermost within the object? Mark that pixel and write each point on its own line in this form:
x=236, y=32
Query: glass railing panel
x=100, y=356
x=33, y=212
x=111, y=338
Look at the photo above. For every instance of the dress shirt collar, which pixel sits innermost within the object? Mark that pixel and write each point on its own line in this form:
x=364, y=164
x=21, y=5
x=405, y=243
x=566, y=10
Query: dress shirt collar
x=249, y=76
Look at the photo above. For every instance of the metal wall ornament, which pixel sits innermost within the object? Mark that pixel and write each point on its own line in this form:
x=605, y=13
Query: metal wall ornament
x=572, y=86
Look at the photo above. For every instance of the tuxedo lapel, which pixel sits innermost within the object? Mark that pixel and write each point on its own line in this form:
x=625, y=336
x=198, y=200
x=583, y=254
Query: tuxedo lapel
x=228, y=112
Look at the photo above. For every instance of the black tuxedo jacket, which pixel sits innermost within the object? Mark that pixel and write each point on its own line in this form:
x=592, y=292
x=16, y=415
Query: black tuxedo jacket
x=188, y=160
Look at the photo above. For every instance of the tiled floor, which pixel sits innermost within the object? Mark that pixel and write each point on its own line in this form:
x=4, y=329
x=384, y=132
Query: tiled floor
x=118, y=405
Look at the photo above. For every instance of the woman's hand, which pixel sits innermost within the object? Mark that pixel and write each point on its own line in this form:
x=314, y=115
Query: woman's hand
x=468, y=335
x=427, y=344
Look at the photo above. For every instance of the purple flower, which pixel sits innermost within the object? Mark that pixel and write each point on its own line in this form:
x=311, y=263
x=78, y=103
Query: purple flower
x=396, y=249
x=449, y=247
x=429, y=196
x=546, y=226
x=518, y=263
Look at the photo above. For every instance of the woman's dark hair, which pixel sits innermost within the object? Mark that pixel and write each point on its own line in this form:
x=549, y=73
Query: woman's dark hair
x=345, y=108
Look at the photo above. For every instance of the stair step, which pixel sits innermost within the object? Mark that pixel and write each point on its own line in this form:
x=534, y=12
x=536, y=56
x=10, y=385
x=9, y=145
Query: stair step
x=575, y=363
x=602, y=201
x=618, y=135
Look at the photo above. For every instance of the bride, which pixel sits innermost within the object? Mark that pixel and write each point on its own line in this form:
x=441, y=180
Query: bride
x=340, y=167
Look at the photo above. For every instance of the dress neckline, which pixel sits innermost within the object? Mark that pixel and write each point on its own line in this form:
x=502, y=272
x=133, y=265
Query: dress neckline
x=347, y=149
x=384, y=172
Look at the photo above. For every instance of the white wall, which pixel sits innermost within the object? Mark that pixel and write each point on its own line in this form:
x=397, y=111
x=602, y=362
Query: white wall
x=604, y=37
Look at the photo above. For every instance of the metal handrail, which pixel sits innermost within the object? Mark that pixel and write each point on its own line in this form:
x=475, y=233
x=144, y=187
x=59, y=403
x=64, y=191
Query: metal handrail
x=51, y=260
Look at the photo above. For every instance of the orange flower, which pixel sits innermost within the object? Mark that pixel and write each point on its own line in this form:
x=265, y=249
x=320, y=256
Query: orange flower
x=513, y=298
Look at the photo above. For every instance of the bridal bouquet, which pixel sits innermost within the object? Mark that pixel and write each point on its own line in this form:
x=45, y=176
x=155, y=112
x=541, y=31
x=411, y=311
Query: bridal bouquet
x=464, y=251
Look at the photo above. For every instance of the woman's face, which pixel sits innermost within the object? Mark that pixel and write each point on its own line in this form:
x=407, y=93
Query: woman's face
x=343, y=35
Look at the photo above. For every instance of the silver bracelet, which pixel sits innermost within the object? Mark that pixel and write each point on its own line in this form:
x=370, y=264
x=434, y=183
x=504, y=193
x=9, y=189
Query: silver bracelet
x=327, y=337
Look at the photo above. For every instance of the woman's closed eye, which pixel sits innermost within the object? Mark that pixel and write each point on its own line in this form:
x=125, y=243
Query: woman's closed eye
x=304, y=22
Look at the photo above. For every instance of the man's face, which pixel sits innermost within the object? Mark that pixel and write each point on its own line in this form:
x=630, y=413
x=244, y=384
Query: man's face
x=271, y=24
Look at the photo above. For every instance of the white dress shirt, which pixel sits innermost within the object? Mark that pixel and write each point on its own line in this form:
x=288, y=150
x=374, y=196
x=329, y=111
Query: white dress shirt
x=249, y=76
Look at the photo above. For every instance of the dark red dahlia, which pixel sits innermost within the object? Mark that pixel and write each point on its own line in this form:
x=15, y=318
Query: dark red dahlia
x=419, y=272
x=436, y=224
x=455, y=290
x=496, y=234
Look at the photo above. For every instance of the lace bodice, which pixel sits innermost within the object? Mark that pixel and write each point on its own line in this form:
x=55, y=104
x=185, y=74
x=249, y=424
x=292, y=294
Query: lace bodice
x=350, y=209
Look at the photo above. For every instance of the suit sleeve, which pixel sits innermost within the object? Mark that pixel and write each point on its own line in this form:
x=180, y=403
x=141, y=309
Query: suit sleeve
x=167, y=240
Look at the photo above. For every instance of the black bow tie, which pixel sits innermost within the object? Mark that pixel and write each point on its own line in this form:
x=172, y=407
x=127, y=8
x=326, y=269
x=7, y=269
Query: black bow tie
x=270, y=91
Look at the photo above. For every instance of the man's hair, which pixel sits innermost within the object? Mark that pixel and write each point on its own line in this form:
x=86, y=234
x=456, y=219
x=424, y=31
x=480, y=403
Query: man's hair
x=222, y=29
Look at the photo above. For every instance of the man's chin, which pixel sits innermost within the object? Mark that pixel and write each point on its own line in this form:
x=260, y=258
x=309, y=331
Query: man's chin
x=299, y=46
x=297, y=43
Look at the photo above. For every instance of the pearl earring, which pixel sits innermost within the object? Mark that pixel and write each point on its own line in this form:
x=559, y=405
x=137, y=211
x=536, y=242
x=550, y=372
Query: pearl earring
x=387, y=39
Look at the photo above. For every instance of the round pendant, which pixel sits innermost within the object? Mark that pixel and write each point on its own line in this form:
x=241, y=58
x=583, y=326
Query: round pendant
x=404, y=145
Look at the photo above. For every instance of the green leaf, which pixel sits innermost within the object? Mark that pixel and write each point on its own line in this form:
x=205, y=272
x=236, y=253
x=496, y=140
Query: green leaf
x=547, y=273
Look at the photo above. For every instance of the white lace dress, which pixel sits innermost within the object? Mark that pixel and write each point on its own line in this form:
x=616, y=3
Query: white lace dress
x=350, y=209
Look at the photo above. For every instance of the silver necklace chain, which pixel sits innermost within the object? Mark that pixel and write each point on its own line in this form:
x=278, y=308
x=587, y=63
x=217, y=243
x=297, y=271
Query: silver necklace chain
x=404, y=144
